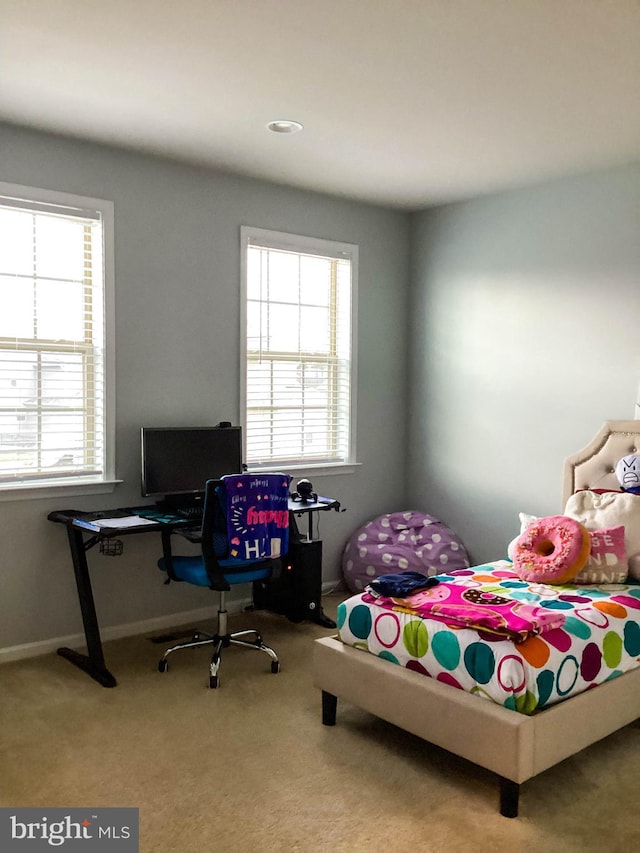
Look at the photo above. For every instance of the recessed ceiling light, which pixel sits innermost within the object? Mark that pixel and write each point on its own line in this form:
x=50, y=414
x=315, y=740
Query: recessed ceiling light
x=284, y=126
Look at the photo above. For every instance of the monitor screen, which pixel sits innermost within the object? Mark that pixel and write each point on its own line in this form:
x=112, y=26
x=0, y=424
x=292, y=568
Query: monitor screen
x=179, y=460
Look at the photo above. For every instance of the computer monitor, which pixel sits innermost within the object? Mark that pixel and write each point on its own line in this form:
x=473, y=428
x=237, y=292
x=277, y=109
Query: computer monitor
x=177, y=461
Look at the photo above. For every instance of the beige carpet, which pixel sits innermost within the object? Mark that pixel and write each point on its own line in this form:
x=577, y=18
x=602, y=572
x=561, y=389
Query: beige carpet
x=250, y=768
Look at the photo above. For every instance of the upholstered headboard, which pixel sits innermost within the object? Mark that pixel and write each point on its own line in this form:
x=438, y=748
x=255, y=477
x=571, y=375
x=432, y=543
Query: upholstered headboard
x=594, y=466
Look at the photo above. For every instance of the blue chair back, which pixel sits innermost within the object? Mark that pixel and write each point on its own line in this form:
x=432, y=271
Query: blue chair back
x=245, y=532
x=256, y=507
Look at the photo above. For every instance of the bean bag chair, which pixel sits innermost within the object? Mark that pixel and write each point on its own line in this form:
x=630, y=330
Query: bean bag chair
x=400, y=542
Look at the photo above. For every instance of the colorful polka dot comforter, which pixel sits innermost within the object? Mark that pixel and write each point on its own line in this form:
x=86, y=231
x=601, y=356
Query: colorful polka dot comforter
x=592, y=636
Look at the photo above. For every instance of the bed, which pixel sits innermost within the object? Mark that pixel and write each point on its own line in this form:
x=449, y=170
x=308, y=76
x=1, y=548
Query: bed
x=513, y=745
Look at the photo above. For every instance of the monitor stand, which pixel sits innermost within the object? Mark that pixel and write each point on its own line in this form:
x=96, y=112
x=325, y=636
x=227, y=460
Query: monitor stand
x=172, y=503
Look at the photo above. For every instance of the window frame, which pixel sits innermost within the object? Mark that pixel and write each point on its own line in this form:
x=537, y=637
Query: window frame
x=286, y=241
x=105, y=482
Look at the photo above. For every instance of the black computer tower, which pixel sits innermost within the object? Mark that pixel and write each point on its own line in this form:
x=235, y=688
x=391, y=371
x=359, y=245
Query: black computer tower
x=297, y=592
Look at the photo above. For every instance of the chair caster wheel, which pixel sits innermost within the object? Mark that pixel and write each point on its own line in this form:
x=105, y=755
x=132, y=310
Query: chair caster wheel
x=163, y=665
x=213, y=681
x=275, y=666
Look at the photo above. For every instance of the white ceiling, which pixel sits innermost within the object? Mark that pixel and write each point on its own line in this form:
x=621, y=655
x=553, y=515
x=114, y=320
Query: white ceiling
x=405, y=103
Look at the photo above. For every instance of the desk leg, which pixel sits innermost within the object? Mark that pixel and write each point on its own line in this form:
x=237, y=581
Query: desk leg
x=306, y=558
x=320, y=618
x=92, y=663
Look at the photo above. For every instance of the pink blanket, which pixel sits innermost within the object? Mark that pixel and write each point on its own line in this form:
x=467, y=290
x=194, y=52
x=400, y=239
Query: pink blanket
x=485, y=607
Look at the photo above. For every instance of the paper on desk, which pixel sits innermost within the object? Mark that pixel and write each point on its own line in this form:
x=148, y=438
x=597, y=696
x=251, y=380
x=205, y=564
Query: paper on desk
x=126, y=521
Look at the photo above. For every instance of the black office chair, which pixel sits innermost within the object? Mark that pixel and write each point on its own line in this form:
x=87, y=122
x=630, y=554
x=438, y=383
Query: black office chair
x=244, y=533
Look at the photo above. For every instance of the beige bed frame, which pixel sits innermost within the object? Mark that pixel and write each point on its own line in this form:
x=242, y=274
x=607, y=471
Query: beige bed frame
x=514, y=746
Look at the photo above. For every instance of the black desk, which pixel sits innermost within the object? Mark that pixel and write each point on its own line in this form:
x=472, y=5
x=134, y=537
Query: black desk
x=82, y=538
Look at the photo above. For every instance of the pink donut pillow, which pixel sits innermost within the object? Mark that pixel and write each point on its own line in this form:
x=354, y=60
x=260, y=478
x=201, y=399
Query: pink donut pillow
x=552, y=550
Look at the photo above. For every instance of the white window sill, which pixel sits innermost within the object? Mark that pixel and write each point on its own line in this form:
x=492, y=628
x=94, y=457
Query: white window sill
x=34, y=491
x=302, y=469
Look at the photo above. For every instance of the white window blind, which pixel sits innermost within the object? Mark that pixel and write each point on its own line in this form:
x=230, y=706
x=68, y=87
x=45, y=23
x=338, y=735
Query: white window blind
x=53, y=418
x=298, y=335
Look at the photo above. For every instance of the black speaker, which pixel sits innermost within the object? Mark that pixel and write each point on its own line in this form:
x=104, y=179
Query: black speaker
x=297, y=593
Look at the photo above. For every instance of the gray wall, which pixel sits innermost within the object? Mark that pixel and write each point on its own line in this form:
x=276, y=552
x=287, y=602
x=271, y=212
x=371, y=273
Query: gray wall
x=517, y=315
x=525, y=337
x=177, y=322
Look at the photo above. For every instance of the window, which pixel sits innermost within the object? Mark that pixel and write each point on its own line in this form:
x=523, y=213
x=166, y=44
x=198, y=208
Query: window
x=55, y=303
x=299, y=338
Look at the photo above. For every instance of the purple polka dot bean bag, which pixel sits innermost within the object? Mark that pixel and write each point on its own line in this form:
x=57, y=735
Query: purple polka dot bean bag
x=400, y=542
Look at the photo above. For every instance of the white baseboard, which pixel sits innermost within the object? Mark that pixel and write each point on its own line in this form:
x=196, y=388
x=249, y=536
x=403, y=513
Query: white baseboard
x=130, y=629
x=115, y=632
